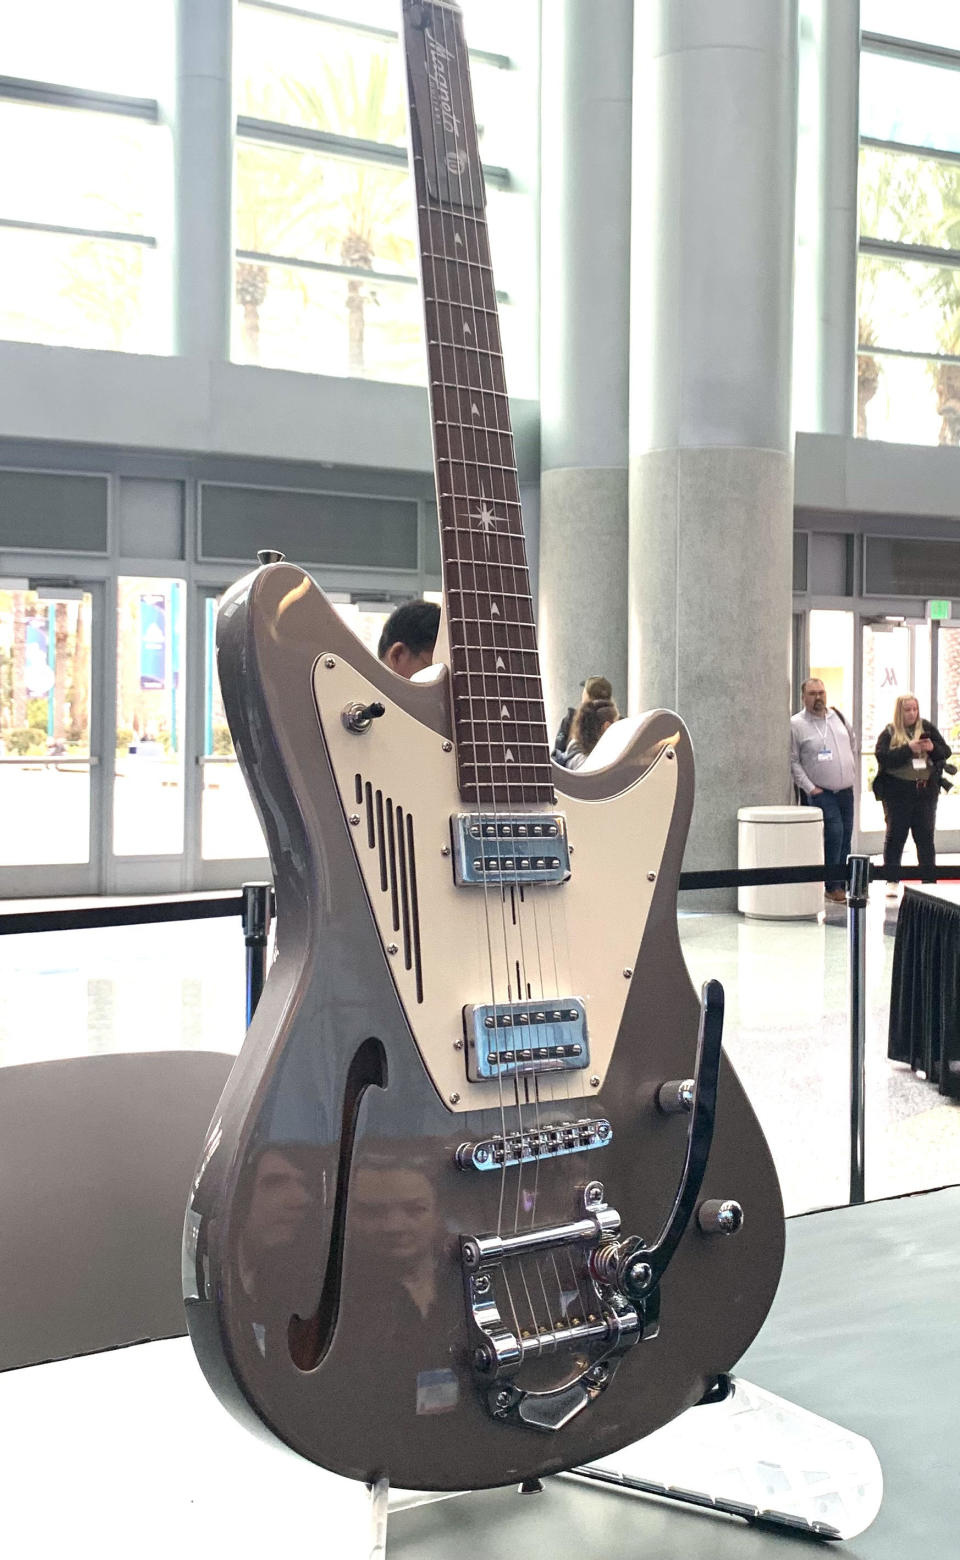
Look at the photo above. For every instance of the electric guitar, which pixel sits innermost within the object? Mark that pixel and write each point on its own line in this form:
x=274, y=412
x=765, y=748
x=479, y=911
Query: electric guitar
x=470, y=1210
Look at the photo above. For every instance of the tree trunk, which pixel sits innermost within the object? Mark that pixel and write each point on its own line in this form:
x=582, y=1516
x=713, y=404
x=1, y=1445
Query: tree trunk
x=948, y=402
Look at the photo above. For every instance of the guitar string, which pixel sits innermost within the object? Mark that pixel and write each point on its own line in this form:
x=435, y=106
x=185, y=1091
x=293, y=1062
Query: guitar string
x=493, y=340
x=458, y=55
x=434, y=216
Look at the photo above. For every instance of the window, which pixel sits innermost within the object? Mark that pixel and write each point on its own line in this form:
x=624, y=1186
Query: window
x=908, y=297
x=326, y=266
x=84, y=200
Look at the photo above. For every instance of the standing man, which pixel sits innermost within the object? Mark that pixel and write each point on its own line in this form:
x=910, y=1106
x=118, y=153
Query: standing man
x=823, y=764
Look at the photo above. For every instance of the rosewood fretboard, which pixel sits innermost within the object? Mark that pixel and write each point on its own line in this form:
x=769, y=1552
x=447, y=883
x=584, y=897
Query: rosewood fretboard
x=501, y=736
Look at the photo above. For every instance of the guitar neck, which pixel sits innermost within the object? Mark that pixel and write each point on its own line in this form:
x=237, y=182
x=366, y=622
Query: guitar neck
x=497, y=695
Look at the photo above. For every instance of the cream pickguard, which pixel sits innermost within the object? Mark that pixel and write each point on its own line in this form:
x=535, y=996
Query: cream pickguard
x=577, y=939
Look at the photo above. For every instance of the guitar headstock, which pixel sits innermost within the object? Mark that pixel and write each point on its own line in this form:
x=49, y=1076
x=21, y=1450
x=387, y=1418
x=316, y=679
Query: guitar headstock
x=442, y=121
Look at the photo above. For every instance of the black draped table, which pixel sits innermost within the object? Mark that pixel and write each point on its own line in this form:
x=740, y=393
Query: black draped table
x=925, y=990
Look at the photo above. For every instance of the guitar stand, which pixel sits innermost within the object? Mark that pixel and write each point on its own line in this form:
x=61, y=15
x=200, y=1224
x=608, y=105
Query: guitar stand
x=742, y=1451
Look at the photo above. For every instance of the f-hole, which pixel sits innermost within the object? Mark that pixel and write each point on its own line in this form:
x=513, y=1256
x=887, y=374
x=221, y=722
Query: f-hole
x=309, y=1338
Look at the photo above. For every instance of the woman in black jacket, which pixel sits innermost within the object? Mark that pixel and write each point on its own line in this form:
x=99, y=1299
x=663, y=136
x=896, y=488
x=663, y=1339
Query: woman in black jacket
x=911, y=754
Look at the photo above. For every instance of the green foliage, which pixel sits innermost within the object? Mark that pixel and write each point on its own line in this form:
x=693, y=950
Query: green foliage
x=38, y=715
x=24, y=740
x=222, y=745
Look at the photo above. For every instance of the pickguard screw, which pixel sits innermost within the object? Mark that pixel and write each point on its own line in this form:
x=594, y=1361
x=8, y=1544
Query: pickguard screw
x=594, y=1082
x=454, y=1099
x=628, y=972
x=651, y=877
x=671, y=753
x=444, y=850
x=458, y=1045
x=392, y=948
x=448, y=747
x=354, y=818
x=329, y=663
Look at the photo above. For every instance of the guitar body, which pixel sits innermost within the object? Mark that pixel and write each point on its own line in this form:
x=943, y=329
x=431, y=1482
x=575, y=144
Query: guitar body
x=327, y=1291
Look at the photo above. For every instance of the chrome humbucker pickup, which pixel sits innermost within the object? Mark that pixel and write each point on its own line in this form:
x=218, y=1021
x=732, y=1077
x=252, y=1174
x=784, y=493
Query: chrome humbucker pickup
x=505, y=849
x=525, y=1037
x=522, y=1148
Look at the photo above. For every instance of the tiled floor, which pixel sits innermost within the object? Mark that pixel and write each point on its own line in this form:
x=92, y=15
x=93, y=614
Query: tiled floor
x=787, y=1029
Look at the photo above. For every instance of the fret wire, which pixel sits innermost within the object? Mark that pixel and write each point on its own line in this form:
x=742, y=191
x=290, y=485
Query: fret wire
x=512, y=595
x=440, y=210
x=478, y=265
x=482, y=498
x=467, y=346
x=473, y=390
x=488, y=465
x=458, y=303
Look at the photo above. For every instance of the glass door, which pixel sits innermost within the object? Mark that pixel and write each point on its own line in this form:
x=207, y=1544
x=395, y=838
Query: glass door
x=51, y=737
x=228, y=843
x=903, y=656
x=947, y=718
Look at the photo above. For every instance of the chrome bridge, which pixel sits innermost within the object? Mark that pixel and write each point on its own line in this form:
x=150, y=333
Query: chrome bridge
x=523, y=1148
x=617, y=1278
x=525, y=1037
x=504, y=849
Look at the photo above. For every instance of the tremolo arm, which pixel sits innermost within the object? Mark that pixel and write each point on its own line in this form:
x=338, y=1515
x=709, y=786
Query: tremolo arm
x=623, y=1273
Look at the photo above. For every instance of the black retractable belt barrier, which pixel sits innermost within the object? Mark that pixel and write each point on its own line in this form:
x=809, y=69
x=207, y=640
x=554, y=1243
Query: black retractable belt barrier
x=255, y=905
x=256, y=930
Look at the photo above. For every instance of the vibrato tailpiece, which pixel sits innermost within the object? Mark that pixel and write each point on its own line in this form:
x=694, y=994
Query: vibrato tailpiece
x=622, y=1273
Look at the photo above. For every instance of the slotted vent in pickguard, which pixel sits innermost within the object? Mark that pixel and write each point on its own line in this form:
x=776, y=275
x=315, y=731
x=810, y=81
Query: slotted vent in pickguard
x=389, y=831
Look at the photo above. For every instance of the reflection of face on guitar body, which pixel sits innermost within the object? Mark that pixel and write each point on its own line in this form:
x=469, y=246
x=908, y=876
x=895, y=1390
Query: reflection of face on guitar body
x=507, y=1239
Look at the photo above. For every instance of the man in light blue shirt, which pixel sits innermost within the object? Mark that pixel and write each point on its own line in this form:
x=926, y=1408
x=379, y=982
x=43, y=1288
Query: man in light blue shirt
x=823, y=763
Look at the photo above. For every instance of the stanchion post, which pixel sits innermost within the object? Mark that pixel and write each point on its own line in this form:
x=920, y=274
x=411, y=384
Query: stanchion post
x=256, y=929
x=858, y=889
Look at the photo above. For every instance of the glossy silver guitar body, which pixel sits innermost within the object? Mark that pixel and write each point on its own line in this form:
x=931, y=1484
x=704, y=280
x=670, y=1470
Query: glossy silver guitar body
x=392, y=1264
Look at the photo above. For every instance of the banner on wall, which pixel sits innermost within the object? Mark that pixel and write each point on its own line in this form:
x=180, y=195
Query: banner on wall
x=153, y=642
x=38, y=675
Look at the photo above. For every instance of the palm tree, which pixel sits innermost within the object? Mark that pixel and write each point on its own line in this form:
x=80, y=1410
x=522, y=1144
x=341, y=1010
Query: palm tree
x=894, y=198
x=359, y=217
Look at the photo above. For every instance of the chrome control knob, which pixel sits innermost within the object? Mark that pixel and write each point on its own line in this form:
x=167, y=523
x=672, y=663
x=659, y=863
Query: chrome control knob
x=719, y=1216
x=676, y=1096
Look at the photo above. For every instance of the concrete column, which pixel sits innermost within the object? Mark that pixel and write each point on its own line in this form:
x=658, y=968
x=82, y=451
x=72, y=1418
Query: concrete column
x=839, y=147
x=203, y=141
x=584, y=353
x=711, y=479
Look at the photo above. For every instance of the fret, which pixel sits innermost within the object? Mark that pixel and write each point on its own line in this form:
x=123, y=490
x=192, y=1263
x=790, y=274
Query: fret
x=448, y=384
x=501, y=649
x=501, y=726
x=471, y=427
x=476, y=265
x=486, y=698
x=481, y=498
x=458, y=303
x=510, y=595
x=494, y=538
x=473, y=460
x=468, y=346
x=531, y=771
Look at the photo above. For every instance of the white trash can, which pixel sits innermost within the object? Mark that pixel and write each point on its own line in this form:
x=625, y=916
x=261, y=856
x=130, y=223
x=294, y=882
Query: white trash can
x=780, y=837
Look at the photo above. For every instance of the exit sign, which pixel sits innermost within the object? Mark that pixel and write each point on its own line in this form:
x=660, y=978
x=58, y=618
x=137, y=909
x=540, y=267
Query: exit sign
x=938, y=610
